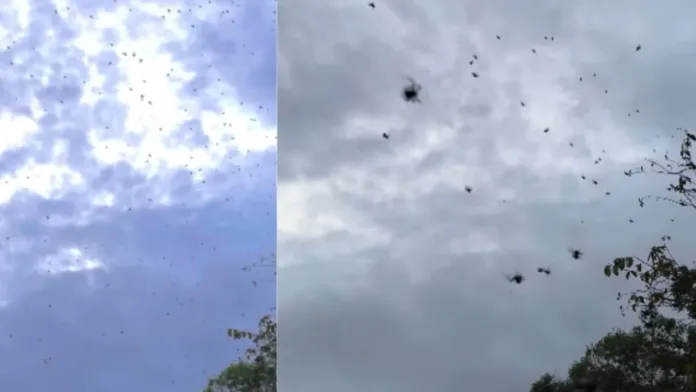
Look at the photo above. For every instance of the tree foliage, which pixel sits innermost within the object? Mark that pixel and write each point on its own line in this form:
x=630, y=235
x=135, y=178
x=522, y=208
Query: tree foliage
x=550, y=383
x=256, y=371
x=660, y=353
x=666, y=283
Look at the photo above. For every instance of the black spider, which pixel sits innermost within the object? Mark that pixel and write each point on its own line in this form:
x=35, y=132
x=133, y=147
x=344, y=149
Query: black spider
x=576, y=253
x=468, y=189
x=411, y=91
x=517, y=278
x=385, y=135
x=544, y=271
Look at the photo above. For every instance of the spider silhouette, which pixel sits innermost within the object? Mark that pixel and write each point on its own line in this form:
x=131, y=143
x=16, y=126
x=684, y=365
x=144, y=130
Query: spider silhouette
x=516, y=278
x=576, y=253
x=411, y=91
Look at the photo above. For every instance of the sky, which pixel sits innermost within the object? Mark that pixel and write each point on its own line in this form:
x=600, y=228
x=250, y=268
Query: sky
x=137, y=190
x=391, y=275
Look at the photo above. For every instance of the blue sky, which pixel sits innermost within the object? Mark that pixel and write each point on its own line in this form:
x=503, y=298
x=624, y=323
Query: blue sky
x=137, y=190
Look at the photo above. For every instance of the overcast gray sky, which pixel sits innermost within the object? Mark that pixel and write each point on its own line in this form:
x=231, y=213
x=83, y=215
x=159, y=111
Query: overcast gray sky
x=391, y=274
x=137, y=180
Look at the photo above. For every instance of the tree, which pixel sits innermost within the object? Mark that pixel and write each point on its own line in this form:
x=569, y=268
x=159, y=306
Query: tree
x=642, y=359
x=256, y=371
x=660, y=353
x=549, y=383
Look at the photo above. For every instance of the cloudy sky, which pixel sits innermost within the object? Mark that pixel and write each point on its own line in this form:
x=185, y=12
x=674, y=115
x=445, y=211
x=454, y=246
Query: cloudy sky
x=390, y=273
x=137, y=190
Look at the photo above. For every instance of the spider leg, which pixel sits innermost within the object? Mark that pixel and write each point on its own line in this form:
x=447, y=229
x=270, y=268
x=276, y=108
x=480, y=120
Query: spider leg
x=413, y=82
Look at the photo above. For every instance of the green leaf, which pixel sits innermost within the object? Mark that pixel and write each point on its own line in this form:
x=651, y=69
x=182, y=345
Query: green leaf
x=607, y=270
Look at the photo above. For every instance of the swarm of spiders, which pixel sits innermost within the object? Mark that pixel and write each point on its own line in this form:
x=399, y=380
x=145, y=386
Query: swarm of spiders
x=410, y=93
x=518, y=278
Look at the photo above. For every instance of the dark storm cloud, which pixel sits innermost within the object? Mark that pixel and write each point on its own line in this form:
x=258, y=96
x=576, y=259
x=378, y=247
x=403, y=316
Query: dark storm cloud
x=135, y=292
x=394, y=272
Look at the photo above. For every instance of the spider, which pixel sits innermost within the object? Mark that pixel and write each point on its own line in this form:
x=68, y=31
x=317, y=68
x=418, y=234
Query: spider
x=411, y=91
x=517, y=278
x=576, y=253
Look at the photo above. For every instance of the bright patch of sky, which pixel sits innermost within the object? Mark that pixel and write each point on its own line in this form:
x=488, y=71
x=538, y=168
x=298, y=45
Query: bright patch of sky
x=137, y=190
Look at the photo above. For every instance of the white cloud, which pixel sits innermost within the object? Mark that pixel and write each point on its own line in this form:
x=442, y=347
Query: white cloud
x=68, y=260
x=19, y=130
x=133, y=189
